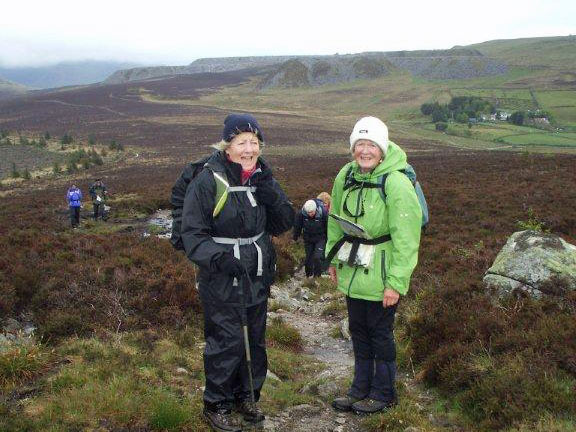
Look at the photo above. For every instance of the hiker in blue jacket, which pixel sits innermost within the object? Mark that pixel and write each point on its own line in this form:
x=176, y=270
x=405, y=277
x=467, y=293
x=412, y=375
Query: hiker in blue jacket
x=74, y=197
x=312, y=223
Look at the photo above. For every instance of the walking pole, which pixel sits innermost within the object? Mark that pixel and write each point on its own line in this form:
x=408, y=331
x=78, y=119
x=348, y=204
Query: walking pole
x=246, y=337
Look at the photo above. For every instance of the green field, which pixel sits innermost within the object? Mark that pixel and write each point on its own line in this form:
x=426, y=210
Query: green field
x=561, y=103
x=544, y=139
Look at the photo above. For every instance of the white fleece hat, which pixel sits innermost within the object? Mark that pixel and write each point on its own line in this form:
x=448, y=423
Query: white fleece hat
x=310, y=206
x=370, y=128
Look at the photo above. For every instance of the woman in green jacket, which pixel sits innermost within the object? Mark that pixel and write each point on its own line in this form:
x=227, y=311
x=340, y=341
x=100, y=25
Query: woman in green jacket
x=373, y=266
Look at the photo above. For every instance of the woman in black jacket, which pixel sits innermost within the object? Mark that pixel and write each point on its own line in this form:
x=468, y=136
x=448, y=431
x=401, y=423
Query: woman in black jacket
x=230, y=211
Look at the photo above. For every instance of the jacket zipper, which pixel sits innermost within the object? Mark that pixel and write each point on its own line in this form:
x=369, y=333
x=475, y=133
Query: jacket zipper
x=352, y=280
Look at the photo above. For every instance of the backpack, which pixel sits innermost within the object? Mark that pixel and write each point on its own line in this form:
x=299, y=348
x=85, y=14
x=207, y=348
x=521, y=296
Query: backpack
x=75, y=196
x=381, y=185
x=179, y=193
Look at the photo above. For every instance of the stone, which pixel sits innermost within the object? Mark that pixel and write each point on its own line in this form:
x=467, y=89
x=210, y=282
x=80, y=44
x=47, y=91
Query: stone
x=344, y=330
x=11, y=325
x=328, y=389
x=534, y=264
x=271, y=375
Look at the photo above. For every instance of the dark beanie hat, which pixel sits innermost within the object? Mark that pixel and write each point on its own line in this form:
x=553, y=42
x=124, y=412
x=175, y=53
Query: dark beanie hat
x=235, y=124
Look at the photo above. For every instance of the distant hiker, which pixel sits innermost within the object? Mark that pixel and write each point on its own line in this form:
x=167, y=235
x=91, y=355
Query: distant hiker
x=312, y=222
x=98, y=194
x=74, y=197
x=231, y=210
x=326, y=199
x=373, y=264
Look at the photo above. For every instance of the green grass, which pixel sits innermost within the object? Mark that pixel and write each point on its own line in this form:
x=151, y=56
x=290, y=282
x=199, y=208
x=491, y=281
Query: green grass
x=21, y=362
x=561, y=103
x=283, y=335
x=547, y=51
x=128, y=381
x=541, y=139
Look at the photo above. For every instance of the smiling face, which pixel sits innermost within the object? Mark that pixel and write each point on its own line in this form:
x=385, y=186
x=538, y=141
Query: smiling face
x=367, y=154
x=244, y=149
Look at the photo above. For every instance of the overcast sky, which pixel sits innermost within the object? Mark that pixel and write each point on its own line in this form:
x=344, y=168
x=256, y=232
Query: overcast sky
x=178, y=32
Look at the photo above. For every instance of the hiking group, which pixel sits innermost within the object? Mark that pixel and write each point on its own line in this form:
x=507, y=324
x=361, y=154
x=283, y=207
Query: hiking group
x=227, y=206
x=98, y=193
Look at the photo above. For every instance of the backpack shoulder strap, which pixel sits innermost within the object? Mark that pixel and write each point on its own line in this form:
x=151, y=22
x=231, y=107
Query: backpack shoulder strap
x=382, y=182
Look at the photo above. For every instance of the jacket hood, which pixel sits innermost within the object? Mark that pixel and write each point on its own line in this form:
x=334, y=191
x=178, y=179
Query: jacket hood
x=395, y=160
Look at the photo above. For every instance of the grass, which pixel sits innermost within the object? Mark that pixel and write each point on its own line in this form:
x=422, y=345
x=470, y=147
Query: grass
x=541, y=139
x=336, y=307
x=280, y=334
x=115, y=382
x=295, y=371
x=20, y=362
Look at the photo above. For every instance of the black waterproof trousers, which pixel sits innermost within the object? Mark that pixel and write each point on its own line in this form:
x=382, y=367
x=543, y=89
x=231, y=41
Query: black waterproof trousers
x=98, y=211
x=314, y=256
x=371, y=327
x=75, y=216
x=225, y=364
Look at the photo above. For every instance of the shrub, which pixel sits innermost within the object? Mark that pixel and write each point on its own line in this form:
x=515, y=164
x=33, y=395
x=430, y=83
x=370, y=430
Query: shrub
x=441, y=126
x=15, y=173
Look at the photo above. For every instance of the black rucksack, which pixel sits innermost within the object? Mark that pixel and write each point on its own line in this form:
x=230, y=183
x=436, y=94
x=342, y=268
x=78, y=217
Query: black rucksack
x=179, y=193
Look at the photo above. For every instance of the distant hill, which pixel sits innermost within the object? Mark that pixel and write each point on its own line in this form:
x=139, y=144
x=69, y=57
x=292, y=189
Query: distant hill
x=62, y=74
x=558, y=52
x=299, y=71
x=9, y=89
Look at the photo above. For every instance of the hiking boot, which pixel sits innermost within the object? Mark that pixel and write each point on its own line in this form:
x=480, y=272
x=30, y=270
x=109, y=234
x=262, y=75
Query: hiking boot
x=371, y=406
x=221, y=420
x=249, y=411
x=344, y=403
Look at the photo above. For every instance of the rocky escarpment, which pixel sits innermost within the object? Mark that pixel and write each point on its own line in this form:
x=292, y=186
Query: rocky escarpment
x=450, y=67
x=316, y=71
x=144, y=73
x=302, y=71
x=203, y=65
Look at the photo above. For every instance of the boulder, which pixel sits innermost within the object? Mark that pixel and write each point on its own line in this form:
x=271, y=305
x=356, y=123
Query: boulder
x=533, y=263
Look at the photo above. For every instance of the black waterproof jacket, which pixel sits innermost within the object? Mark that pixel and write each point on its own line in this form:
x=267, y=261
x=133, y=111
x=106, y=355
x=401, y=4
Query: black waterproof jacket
x=237, y=219
x=313, y=229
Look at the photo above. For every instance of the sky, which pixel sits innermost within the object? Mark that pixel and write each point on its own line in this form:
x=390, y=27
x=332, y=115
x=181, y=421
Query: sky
x=168, y=32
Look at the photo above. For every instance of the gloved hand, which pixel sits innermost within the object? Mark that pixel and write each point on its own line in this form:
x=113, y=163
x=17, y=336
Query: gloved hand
x=265, y=192
x=231, y=265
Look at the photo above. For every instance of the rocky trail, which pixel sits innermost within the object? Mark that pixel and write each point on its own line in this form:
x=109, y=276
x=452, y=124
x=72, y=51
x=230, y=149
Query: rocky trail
x=298, y=309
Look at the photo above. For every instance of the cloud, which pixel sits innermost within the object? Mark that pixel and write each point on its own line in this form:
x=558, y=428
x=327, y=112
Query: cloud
x=177, y=32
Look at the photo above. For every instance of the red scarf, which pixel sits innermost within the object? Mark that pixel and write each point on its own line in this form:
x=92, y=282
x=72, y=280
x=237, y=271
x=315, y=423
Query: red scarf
x=245, y=175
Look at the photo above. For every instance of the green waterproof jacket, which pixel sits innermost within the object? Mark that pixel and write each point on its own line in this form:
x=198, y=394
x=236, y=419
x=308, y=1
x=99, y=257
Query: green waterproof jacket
x=400, y=216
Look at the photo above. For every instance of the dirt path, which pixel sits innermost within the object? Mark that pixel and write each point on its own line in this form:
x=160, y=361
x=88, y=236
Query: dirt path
x=336, y=354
